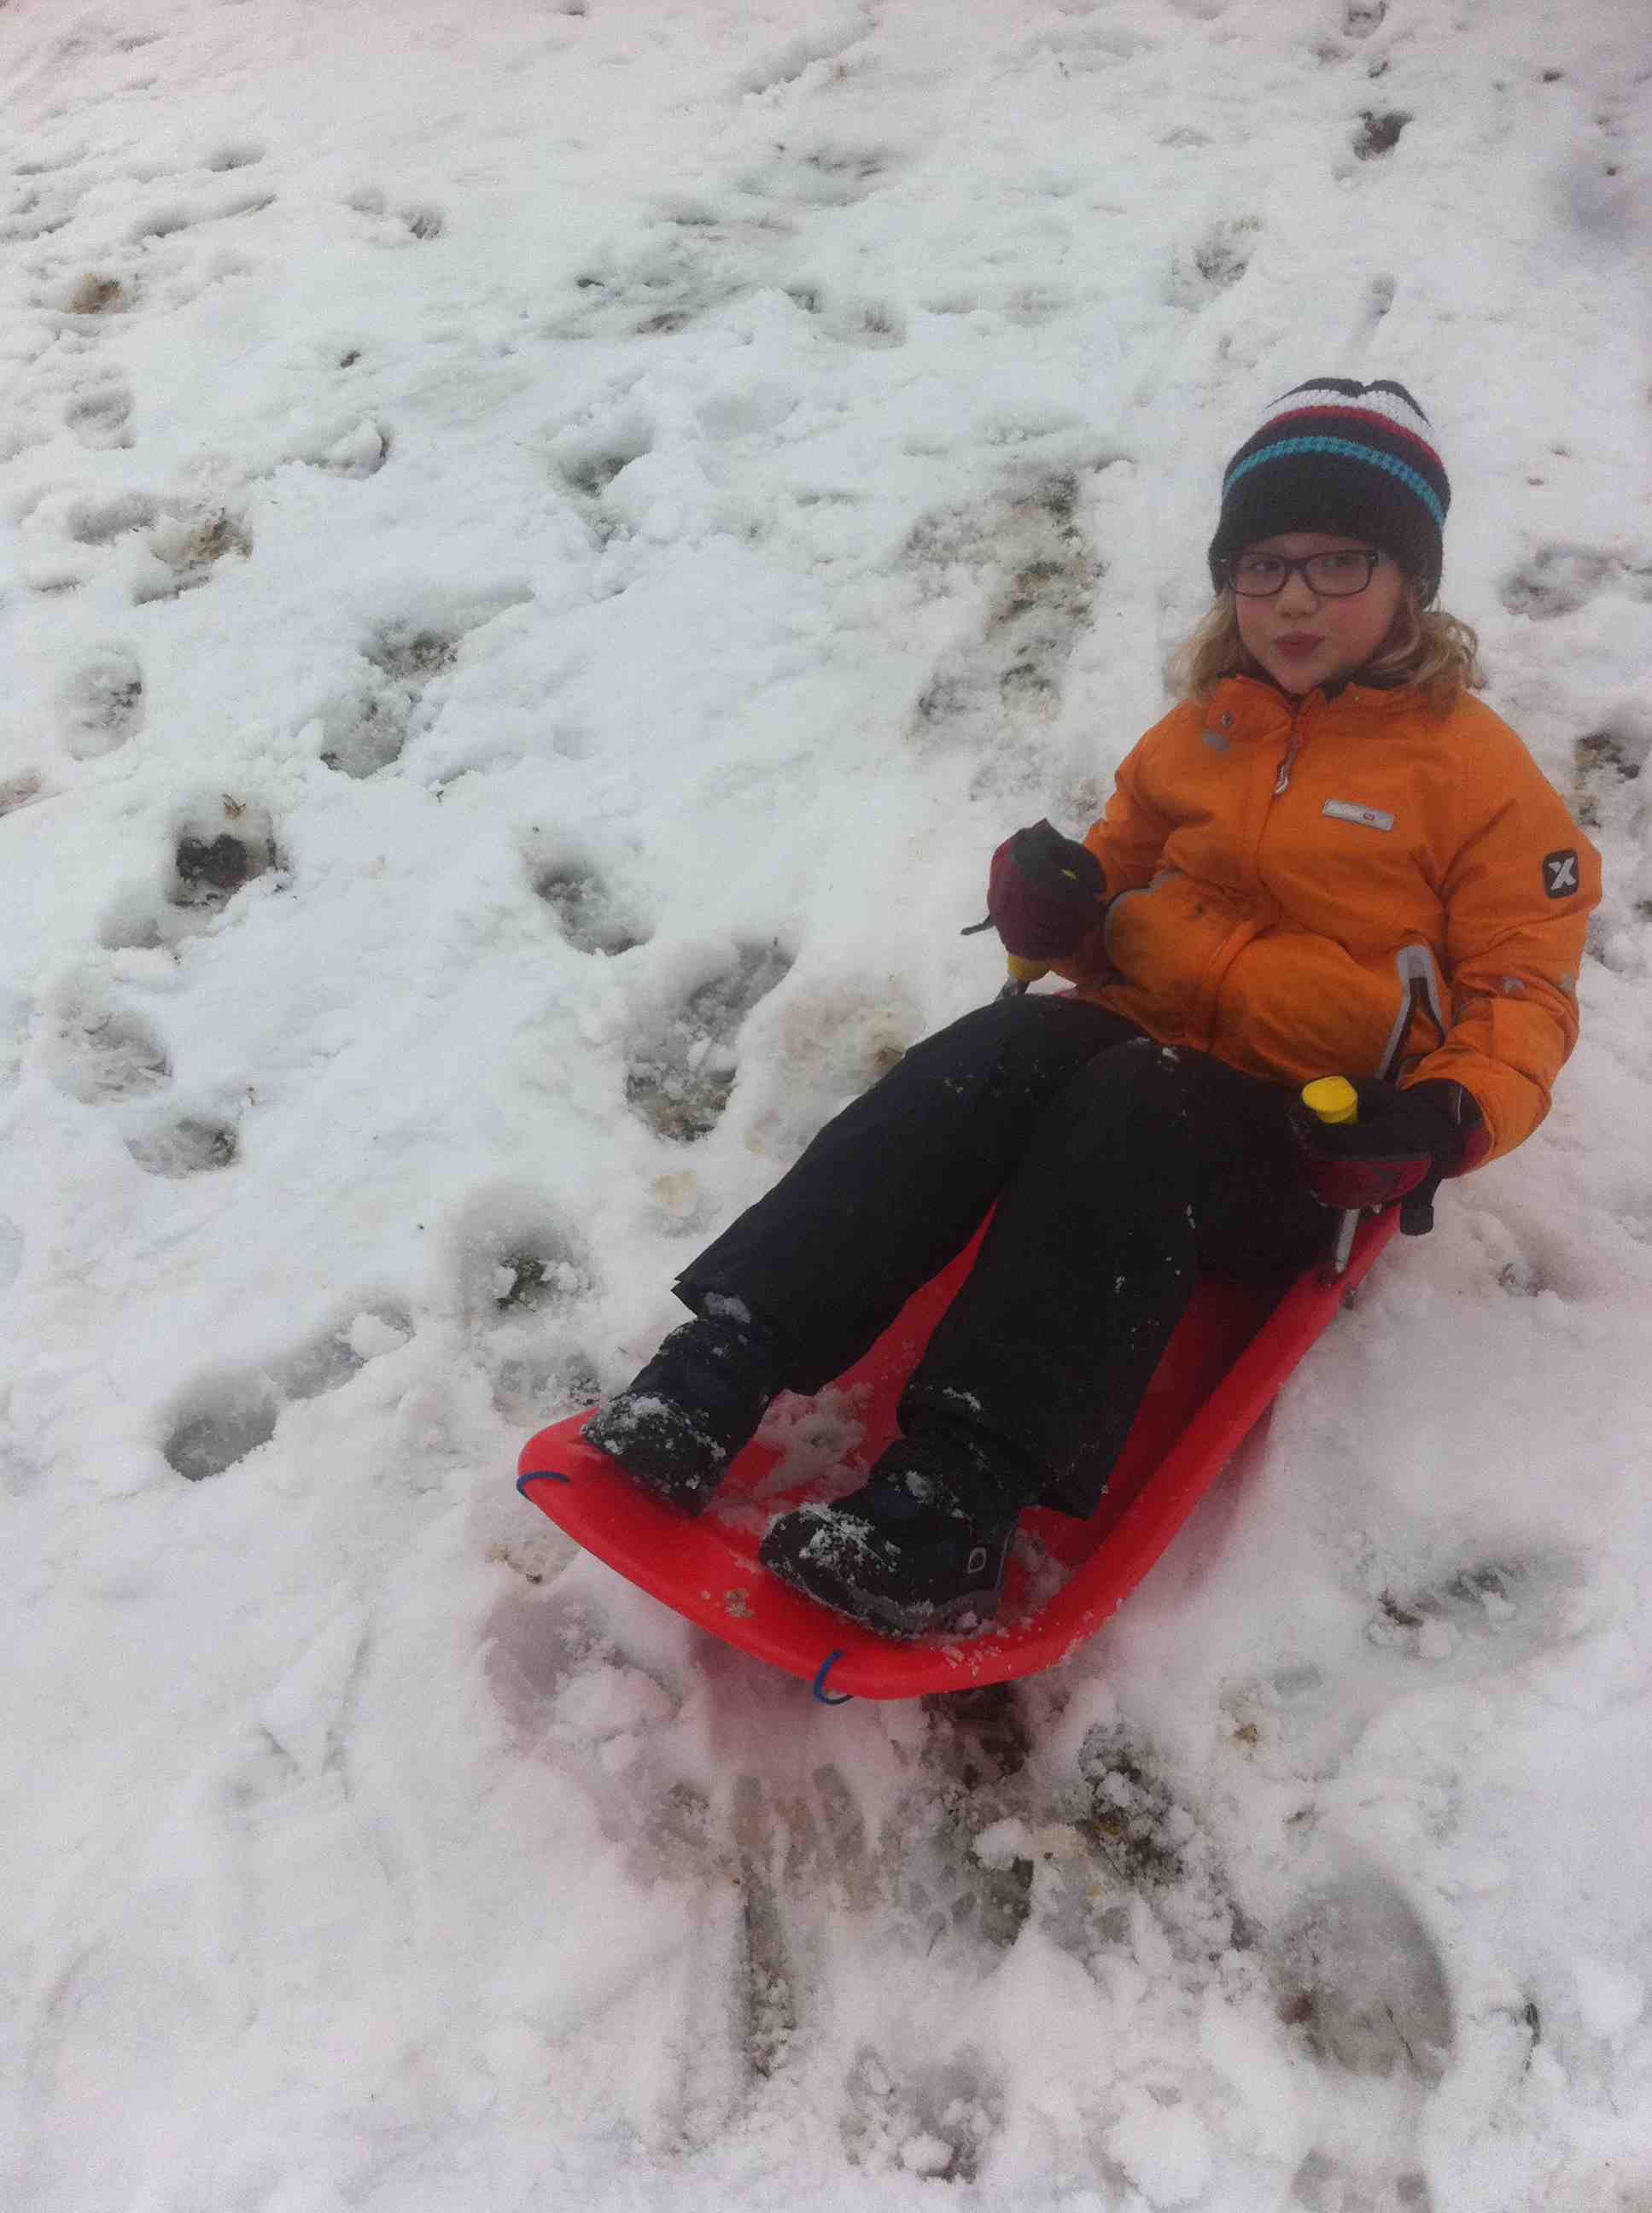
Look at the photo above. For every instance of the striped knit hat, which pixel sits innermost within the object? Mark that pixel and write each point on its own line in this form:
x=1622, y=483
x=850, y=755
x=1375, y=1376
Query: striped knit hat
x=1355, y=459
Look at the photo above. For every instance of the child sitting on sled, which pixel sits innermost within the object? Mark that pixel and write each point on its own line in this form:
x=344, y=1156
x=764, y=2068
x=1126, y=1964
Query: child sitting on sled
x=1328, y=859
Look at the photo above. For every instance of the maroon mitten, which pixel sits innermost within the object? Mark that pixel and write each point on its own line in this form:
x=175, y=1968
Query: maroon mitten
x=1403, y=1144
x=1044, y=894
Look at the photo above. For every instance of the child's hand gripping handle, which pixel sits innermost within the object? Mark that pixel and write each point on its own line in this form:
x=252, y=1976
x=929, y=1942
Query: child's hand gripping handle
x=1365, y=1145
x=1045, y=895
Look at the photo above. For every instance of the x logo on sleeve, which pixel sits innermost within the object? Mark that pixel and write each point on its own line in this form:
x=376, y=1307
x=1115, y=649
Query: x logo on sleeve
x=1560, y=874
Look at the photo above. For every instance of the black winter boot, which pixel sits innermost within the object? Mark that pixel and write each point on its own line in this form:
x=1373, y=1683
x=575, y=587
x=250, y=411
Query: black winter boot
x=682, y=1419
x=922, y=1544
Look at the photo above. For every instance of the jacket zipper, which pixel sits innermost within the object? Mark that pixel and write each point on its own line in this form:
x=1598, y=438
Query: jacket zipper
x=1281, y=781
x=1213, y=984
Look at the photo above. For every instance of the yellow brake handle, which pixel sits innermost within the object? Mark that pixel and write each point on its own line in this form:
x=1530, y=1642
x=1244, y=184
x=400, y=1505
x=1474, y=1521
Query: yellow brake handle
x=1334, y=1099
x=1021, y=973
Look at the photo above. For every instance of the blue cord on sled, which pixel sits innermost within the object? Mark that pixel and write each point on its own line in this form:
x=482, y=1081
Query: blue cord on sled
x=826, y=1698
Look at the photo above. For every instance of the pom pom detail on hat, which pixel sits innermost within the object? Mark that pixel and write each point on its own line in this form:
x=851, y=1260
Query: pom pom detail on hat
x=1358, y=460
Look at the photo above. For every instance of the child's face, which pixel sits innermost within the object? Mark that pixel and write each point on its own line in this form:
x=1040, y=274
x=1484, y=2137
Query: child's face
x=1306, y=638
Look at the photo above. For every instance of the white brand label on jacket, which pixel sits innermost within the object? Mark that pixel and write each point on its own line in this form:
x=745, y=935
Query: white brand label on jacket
x=1369, y=817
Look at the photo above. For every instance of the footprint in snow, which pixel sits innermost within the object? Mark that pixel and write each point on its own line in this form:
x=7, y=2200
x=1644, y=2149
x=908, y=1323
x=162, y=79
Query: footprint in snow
x=802, y=1848
x=651, y=296
x=1362, y=1981
x=1200, y=272
x=100, y=522
x=97, y=1050
x=522, y=1280
x=367, y=732
x=18, y=791
x=224, y=1418
x=575, y=1696
x=101, y=704
x=1609, y=762
x=682, y=1069
x=1376, y=301
x=180, y=215
x=536, y=1384
x=698, y=253
x=1028, y=305
x=357, y=451
x=407, y=222
x=400, y=687
x=1349, y=1970
x=830, y=1038
x=39, y=211
x=217, y=852
x=183, y=1146
x=513, y=1257
x=1361, y=1986
x=1040, y=576
x=1474, y=1618
x=934, y=2117
x=185, y=545
x=587, y=457
x=853, y=318
x=823, y=172
x=538, y=1556
x=1378, y=132
x=766, y=1974
x=832, y=1843
x=970, y=1778
x=183, y=539
x=1124, y=1835
x=1031, y=305
x=1484, y=1616
x=553, y=1662
x=99, y=414
x=235, y=154
x=93, y=294
x=1560, y=579
x=589, y=913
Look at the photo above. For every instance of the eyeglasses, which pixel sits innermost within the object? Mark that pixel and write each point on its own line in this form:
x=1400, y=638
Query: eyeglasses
x=1335, y=576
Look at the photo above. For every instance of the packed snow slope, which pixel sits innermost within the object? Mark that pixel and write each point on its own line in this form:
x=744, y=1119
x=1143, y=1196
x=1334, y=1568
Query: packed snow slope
x=543, y=544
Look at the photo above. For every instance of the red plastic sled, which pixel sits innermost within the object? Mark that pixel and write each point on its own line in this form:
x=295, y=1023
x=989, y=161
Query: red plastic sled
x=1222, y=1369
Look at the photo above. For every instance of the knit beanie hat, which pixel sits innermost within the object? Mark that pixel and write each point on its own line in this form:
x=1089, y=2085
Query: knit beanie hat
x=1358, y=460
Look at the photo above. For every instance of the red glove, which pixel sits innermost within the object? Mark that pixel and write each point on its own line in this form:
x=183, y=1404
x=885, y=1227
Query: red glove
x=1044, y=894
x=1402, y=1145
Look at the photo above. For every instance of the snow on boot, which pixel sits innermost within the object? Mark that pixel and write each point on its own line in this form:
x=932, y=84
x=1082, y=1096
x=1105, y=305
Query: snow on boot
x=920, y=1546
x=682, y=1419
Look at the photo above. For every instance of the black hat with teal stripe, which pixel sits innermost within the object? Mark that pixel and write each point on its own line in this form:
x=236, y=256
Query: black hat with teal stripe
x=1355, y=459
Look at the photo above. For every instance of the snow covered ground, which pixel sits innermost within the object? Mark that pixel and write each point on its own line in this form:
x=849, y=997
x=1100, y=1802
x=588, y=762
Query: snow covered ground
x=543, y=542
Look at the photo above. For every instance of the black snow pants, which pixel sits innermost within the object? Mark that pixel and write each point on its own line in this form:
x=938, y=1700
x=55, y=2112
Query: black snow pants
x=1120, y=1168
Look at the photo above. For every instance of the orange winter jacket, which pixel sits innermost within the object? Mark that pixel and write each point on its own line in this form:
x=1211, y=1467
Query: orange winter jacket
x=1358, y=886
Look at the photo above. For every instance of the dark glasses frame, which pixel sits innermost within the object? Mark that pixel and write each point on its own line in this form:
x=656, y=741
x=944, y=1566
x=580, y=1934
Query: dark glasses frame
x=1371, y=555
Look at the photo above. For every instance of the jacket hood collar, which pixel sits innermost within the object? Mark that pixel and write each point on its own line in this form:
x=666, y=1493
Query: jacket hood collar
x=1256, y=705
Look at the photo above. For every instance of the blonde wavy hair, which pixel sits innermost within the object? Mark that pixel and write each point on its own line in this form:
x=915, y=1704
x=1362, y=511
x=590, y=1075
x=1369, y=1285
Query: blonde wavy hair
x=1425, y=646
